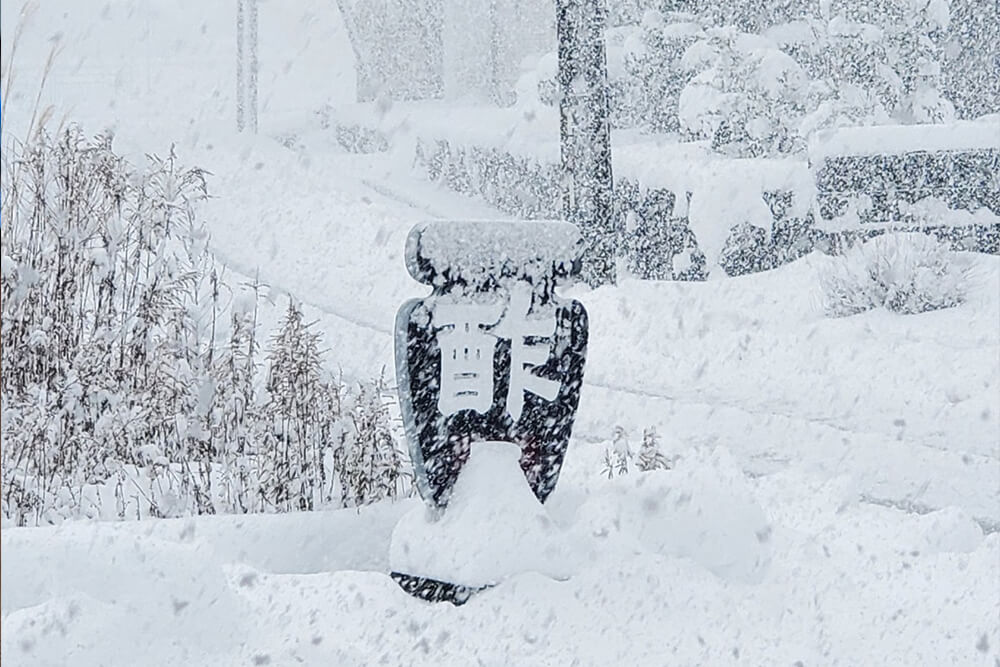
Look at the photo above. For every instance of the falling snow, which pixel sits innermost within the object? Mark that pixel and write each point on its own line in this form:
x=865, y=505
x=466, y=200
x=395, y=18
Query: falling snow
x=696, y=358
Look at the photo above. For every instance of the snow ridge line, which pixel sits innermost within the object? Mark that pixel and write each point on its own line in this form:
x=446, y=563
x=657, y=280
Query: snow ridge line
x=988, y=525
x=398, y=197
x=244, y=271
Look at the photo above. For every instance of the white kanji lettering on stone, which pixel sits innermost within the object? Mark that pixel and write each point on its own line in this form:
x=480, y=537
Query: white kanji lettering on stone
x=529, y=347
x=467, y=335
x=466, y=355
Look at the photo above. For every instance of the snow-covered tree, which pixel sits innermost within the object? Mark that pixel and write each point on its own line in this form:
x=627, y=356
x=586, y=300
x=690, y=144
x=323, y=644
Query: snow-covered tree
x=370, y=466
x=298, y=416
x=877, y=61
x=654, y=77
x=747, y=96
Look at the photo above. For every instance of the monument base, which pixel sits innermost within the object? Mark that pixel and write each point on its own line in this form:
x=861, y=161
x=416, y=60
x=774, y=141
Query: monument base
x=435, y=590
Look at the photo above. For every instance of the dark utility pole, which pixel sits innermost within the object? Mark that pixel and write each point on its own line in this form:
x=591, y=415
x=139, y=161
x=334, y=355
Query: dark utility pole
x=246, y=65
x=585, y=134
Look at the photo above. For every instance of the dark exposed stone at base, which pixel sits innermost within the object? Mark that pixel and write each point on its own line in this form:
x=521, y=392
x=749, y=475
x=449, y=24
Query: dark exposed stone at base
x=434, y=590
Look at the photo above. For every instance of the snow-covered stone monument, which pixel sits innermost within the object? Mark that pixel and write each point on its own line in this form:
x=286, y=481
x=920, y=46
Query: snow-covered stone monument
x=492, y=355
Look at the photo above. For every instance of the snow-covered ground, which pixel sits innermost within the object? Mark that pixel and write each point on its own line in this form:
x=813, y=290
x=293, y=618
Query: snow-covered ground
x=697, y=565
x=835, y=495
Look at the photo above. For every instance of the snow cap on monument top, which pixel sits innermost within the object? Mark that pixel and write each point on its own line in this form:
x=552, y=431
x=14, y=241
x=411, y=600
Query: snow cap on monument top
x=476, y=252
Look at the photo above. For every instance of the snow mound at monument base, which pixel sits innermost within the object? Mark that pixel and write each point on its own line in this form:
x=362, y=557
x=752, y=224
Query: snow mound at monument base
x=493, y=527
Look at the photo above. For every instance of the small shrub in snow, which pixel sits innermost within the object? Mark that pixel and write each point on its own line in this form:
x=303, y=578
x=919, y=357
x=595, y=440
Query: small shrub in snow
x=650, y=456
x=609, y=464
x=904, y=272
x=618, y=458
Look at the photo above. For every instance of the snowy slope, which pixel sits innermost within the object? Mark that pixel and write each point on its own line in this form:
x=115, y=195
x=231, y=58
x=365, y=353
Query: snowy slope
x=812, y=415
x=749, y=363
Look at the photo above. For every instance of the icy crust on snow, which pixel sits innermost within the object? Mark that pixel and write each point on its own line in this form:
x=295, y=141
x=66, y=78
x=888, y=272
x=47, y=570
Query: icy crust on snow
x=475, y=252
x=494, y=527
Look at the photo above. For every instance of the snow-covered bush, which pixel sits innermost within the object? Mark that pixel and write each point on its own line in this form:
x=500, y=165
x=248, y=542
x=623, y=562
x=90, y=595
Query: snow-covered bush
x=653, y=236
x=903, y=272
x=747, y=250
x=131, y=369
x=650, y=456
x=746, y=95
x=620, y=460
x=652, y=74
x=874, y=62
x=773, y=75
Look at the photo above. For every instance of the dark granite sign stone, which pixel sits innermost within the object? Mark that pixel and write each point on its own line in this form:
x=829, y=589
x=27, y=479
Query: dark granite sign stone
x=492, y=353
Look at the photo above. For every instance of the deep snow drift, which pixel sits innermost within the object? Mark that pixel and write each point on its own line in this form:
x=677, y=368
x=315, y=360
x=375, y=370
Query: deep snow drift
x=696, y=565
x=494, y=527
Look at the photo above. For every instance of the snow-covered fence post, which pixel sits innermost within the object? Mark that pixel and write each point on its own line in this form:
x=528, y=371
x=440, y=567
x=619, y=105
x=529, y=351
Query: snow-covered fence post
x=246, y=65
x=585, y=134
x=492, y=354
